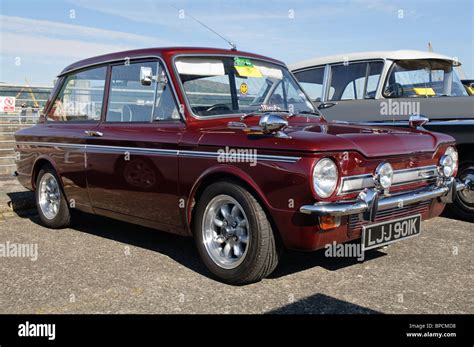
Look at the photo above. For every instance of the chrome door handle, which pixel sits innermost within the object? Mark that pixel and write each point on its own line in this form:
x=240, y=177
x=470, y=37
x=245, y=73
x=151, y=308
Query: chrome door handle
x=93, y=133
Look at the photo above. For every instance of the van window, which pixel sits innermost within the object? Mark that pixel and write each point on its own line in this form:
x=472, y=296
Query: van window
x=80, y=97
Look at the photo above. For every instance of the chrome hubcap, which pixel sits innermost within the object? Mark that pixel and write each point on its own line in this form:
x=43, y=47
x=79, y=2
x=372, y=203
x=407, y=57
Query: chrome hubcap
x=225, y=232
x=467, y=196
x=49, y=196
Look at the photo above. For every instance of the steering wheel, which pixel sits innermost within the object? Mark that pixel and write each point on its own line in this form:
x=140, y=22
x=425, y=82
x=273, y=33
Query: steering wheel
x=394, y=89
x=218, y=107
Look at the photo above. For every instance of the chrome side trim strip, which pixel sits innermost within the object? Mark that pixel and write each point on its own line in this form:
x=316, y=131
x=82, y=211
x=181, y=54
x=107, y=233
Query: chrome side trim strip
x=131, y=150
x=239, y=157
x=433, y=121
x=52, y=144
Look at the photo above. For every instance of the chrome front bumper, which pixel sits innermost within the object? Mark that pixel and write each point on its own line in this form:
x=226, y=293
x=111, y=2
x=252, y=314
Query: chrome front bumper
x=370, y=201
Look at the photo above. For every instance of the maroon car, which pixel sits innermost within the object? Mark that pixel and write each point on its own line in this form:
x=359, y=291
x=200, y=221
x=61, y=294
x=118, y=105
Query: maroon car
x=225, y=146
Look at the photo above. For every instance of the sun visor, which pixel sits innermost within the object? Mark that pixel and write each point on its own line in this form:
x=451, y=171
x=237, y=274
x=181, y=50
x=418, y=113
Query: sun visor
x=200, y=66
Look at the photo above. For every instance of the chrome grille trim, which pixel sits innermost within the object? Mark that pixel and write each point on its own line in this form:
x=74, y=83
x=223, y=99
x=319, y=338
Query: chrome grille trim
x=352, y=184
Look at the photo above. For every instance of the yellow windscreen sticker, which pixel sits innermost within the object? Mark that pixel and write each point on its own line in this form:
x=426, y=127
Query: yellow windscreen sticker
x=248, y=71
x=424, y=91
x=245, y=68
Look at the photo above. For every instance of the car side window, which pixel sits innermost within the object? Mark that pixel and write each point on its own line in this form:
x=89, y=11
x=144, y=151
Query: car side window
x=373, y=79
x=355, y=81
x=348, y=81
x=129, y=100
x=312, y=82
x=165, y=105
x=80, y=97
x=354, y=89
x=132, y=101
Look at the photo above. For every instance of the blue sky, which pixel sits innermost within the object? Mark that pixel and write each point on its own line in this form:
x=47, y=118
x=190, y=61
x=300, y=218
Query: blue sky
x=39, y=38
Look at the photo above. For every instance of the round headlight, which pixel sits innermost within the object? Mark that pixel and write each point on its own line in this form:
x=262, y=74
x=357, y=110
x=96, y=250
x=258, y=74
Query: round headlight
x=325, y=177
x=449, y=162
x=384, y=176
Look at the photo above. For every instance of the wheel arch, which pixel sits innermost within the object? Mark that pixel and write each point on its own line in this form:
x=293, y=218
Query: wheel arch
x=466, y=151
x=232, y=174
x=39, y=163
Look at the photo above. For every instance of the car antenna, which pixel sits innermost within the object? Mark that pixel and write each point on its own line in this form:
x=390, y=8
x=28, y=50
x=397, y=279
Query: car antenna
x=232, y=45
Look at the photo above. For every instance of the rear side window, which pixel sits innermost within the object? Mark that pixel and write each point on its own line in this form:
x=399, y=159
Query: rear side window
x=131, y=101
x=80, y=97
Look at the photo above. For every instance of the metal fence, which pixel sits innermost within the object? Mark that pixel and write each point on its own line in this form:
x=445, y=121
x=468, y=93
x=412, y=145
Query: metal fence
x=29, y=101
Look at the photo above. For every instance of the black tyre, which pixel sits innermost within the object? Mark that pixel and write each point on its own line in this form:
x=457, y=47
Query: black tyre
x=51, y=203
x=233, y=235
x=463, y=206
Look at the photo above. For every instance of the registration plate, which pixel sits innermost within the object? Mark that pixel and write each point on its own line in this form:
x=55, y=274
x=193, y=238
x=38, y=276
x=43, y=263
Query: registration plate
x=380, y=234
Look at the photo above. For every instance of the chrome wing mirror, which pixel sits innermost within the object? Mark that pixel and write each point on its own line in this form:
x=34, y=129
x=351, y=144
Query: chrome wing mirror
x=273, y=124
x=417, y=121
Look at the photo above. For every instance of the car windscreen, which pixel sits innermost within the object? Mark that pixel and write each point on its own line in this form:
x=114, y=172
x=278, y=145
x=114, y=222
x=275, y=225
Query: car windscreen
x=238, y=85
x=423, y=78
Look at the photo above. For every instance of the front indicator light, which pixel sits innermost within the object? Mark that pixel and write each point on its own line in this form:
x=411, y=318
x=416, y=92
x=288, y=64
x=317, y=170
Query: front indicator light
x=329, y=222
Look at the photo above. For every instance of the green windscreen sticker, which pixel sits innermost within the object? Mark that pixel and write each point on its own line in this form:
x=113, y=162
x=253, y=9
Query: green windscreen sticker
x=242, y=62
x=245, y=68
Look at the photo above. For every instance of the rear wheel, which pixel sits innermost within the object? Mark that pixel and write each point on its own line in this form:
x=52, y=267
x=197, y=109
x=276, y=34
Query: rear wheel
x=51, y=203
x=463, y=206
x=233, y=235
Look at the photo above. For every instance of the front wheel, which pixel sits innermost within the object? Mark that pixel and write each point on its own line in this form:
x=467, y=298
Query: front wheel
x=51, y=203
x=233, y=235
x=463, y=206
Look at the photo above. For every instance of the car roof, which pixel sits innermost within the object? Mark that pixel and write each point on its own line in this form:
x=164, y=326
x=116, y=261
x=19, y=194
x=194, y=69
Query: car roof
x=389, y=55
x=161, y=51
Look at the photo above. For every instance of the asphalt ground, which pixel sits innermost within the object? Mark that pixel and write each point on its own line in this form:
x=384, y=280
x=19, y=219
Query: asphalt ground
x=101, y=265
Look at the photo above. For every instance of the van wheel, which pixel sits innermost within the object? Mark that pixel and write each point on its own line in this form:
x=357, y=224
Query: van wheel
x=233, y=235
x=463, y=206
x=51, y=203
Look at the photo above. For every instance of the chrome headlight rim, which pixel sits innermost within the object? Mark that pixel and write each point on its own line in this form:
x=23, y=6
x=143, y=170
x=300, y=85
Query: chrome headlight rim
x=383, y=176
x=448, y=163
x=318, y=191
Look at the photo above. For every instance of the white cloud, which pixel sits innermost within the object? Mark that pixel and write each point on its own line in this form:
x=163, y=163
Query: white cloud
x=46, y=38
x=49, y=28
x=14, y=44
x=56, y=44
x=166, y=12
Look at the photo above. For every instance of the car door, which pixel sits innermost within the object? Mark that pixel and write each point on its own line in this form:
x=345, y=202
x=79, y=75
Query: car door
x=75, y=108
x=132, y=156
